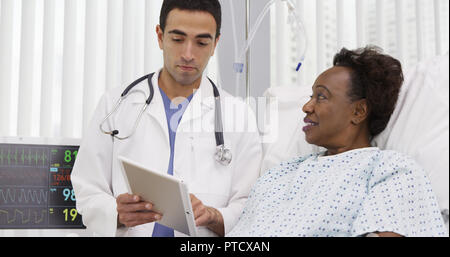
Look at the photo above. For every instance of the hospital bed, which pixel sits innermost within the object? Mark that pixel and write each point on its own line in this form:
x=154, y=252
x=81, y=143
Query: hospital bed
x=418, y=127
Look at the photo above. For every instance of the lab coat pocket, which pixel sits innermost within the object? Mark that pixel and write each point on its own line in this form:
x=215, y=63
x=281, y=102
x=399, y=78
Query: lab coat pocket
x=210, y=177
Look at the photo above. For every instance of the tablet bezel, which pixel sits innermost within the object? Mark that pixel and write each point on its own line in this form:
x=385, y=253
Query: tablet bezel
x=180, y=218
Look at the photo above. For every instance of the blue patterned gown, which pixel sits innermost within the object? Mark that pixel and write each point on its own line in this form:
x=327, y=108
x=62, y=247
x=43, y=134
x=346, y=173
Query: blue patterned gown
x=348, y=194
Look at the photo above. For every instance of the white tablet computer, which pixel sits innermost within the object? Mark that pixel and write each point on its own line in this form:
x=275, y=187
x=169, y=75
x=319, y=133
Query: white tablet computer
x=168, y=194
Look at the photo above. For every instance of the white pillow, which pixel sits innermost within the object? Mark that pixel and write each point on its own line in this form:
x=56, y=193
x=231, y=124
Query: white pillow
x=419, y=124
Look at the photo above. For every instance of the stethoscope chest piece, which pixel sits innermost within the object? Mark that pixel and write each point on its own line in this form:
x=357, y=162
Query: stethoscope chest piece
x=223, y=155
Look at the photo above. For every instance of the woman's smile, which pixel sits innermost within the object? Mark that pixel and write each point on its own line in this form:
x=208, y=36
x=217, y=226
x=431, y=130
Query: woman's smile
x=309, y=125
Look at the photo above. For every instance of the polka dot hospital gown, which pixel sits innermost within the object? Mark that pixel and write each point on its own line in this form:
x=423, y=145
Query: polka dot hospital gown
x=349, y=194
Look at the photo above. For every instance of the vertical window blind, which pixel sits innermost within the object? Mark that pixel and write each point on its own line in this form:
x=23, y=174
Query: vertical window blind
x=57, y=57
x=410, y=30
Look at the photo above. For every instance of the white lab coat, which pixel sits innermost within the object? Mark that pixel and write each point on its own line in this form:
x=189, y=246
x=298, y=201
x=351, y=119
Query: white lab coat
x=97, y=178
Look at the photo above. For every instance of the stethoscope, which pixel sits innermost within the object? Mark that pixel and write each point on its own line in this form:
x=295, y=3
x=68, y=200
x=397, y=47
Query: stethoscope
x=222, y=155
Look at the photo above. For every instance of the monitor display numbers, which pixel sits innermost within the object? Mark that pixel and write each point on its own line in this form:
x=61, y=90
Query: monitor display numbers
x=35, y=187
x=63, y=157
x=63, y=216
x=61, y=196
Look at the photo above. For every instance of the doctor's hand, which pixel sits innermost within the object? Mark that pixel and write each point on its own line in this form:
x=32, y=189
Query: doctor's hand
x=207, y=216
x=133, y=211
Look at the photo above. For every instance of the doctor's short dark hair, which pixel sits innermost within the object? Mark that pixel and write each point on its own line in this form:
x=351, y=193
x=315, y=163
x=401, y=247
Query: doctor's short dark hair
x=376, y=77
x=211, y=6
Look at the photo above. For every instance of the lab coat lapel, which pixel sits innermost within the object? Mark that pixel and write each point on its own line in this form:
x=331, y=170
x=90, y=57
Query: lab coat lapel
x=156, y=109
x=201, y=103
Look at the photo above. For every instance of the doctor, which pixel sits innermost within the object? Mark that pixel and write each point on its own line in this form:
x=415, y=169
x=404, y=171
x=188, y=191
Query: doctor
x=175, y=134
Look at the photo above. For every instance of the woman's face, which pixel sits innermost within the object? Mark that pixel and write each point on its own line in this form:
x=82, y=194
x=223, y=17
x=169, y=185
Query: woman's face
x=329, y=113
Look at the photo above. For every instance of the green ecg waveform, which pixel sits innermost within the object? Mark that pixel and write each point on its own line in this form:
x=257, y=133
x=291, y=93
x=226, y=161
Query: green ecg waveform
x=23, y=157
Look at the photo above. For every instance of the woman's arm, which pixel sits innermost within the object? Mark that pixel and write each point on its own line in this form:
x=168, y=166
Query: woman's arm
x=383, y=234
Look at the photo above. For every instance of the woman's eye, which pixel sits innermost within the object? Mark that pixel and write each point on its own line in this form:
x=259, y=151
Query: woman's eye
x=318, y=96
x=321, y=97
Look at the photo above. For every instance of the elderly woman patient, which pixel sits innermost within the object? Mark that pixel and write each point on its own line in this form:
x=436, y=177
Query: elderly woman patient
x=352, y=189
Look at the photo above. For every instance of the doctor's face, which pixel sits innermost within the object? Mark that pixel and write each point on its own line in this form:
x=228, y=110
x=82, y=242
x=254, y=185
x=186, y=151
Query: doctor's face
x=188, y=43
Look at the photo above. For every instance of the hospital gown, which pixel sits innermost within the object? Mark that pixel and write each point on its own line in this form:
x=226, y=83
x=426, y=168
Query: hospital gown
x=348, y=194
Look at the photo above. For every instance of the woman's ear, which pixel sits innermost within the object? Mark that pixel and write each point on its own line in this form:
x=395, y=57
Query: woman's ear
x=360, y=111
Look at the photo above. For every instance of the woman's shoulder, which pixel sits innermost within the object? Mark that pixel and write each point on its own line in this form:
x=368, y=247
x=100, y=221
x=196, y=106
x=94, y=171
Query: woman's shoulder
x=398, y=159
x=394, y=164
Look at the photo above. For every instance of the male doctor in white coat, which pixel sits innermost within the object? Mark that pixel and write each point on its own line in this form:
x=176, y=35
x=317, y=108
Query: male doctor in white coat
x=174, y=135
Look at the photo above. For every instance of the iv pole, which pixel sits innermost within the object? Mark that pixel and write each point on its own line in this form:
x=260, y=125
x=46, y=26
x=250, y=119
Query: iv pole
x=247, y=58
x=239, y=57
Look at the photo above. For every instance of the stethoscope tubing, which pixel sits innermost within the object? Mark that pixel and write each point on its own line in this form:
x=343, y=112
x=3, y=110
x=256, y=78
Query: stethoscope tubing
x=222, y=155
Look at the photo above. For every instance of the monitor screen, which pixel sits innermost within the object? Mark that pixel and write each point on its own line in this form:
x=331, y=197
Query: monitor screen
x=35, y=187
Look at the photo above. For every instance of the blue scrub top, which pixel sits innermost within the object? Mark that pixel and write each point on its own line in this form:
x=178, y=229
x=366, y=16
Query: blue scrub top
x=172, y=109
